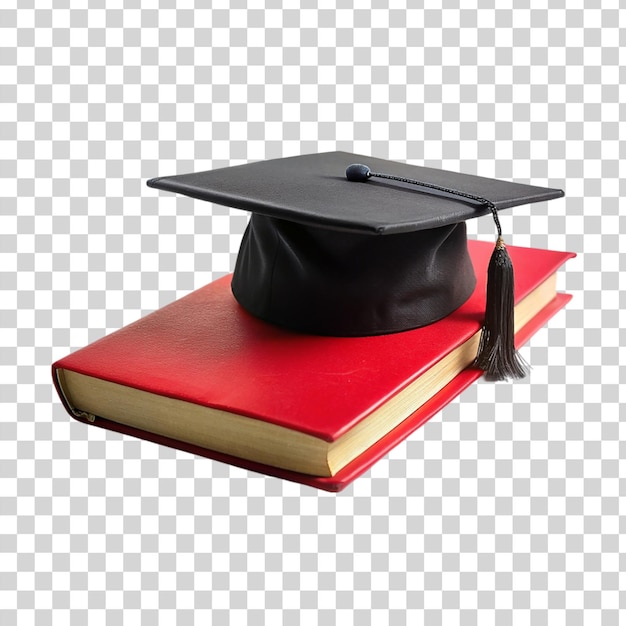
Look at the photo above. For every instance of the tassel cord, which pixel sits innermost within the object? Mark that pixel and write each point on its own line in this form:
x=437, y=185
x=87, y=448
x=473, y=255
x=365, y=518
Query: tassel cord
x=454, y=192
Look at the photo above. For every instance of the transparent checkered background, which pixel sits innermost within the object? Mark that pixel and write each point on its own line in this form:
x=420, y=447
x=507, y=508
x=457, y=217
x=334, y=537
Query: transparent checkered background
x=505, y=509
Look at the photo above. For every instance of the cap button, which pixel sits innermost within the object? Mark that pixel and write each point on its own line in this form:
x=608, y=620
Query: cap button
x=357, y=173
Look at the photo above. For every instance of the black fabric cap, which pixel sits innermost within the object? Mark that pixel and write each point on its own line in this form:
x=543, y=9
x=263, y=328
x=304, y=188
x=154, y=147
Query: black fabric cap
x=326, y=255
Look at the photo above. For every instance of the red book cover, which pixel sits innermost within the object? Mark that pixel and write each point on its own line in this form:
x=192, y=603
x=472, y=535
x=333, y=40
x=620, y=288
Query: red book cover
x=206, y=349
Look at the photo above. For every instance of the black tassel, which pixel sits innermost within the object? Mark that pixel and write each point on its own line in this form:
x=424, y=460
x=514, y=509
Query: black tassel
x=497, y=355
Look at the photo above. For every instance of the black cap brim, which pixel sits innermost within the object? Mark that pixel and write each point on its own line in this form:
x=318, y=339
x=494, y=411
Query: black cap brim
x=313, y=190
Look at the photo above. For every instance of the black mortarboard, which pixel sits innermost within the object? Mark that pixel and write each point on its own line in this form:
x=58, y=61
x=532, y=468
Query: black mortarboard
x=345, y=244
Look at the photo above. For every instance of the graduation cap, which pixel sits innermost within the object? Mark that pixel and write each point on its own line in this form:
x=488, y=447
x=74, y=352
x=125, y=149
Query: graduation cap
x=350, y=245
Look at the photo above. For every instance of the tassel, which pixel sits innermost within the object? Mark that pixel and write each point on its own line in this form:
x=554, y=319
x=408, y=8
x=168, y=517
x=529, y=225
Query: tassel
x=497, y=355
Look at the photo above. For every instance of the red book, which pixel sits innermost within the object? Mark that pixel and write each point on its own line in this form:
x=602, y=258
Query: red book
x=269, y=387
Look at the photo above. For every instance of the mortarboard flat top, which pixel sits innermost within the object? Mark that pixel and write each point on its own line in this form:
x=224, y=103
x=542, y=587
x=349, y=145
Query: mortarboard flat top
x=313, y=190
